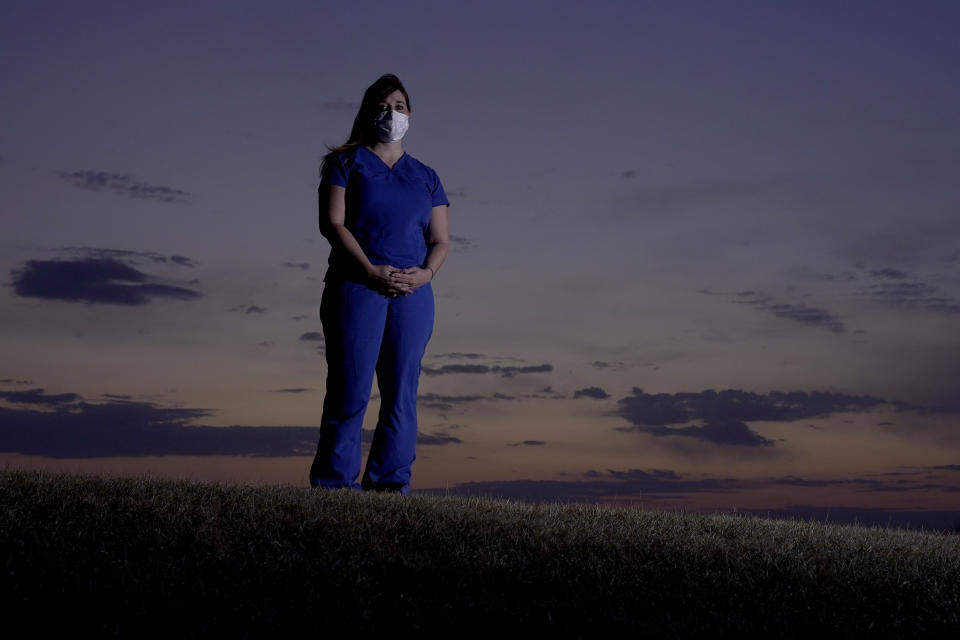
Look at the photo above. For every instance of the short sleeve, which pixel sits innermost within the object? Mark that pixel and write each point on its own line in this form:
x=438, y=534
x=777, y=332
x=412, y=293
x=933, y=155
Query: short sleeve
x=437, y=194
x=334, y=172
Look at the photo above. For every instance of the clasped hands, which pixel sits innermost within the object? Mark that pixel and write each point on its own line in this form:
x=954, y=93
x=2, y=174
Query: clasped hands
x=393, y=282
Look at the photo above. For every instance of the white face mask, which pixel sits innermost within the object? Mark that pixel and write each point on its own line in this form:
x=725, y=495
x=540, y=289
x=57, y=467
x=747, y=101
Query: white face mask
x=391, y=125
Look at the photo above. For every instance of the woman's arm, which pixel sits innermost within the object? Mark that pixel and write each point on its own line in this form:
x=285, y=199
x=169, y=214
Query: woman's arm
x=333, y=215
x=414, y=277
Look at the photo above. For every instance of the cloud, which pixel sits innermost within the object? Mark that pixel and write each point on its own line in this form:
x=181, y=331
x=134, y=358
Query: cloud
x=304, y=266
x=505, y=371
x=667, y=485
x=456, y=355
x=910, y=296
x=725, y=413
x=795, y=481
x=946, y=521
x=807, y=315
x=800, y=313
x=449, y=426
x=591, y=392
x=895, y=274
x=723, y=432
x=247, y=309
x=128, y=428
x=547, y=393
x=183, y=260
x=870, y=484
x=128, y=256
x=426, y=439
x=123, y=184
x=456, y=368
x=460, y=241
x=597, y=486
x=446, y=402
x=529, y=443
x=315, y=336
x=37, y=396
x=292, y=390
x=92, y=280
x=892, y=288
x=665, y=408
x=437, y=439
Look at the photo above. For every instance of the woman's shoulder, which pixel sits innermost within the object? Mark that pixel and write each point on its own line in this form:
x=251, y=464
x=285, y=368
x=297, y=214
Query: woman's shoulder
x=419, y=166
x=346, y=156
x=338, y=162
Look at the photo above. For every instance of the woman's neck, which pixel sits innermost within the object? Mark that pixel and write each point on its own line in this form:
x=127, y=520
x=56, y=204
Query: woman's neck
x=389, y=152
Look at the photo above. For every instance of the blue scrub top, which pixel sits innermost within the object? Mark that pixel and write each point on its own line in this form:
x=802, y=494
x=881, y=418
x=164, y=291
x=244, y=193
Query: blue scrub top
x=387, y=210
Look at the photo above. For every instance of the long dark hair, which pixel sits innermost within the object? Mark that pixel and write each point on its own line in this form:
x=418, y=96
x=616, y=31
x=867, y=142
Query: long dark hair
x=363, y=132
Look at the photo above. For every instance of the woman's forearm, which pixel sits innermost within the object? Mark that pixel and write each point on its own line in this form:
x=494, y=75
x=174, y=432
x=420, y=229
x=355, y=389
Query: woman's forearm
x=332, y=201
x=436, y=255
x=346, y=239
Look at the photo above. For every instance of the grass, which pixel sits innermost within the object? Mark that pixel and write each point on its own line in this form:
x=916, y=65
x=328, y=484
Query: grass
x=151, y=557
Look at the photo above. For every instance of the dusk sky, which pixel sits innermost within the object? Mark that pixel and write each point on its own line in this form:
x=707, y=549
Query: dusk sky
x=705, y=255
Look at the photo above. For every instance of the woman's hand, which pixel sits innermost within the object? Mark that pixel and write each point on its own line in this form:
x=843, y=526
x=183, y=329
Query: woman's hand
x=410, y=279
x=386, y=279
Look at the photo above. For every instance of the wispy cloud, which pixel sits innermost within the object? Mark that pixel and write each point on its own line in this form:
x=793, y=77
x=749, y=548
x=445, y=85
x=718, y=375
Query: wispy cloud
x=909, y=295
x=458, y=355
x=126, y=255
x=437, y=439
x=123, y=184
x=887, y=286
x=591, y=392
x=447, y=402
x=599, y=485
x=902, y=485
x=38, y=397
x=461, y=242
x=505, y=371
x=800, y=313
x=247, y=309
x=547, y=393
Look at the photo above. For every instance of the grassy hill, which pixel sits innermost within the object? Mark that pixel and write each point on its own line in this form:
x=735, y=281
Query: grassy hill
x=159, y=557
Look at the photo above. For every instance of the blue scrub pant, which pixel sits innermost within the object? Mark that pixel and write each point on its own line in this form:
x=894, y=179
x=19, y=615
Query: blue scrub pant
x=367, y=332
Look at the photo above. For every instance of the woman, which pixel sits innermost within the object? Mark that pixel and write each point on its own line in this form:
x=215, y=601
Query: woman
x=385, y=215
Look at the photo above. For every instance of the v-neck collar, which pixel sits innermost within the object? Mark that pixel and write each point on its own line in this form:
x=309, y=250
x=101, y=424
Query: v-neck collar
x=375, y=155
